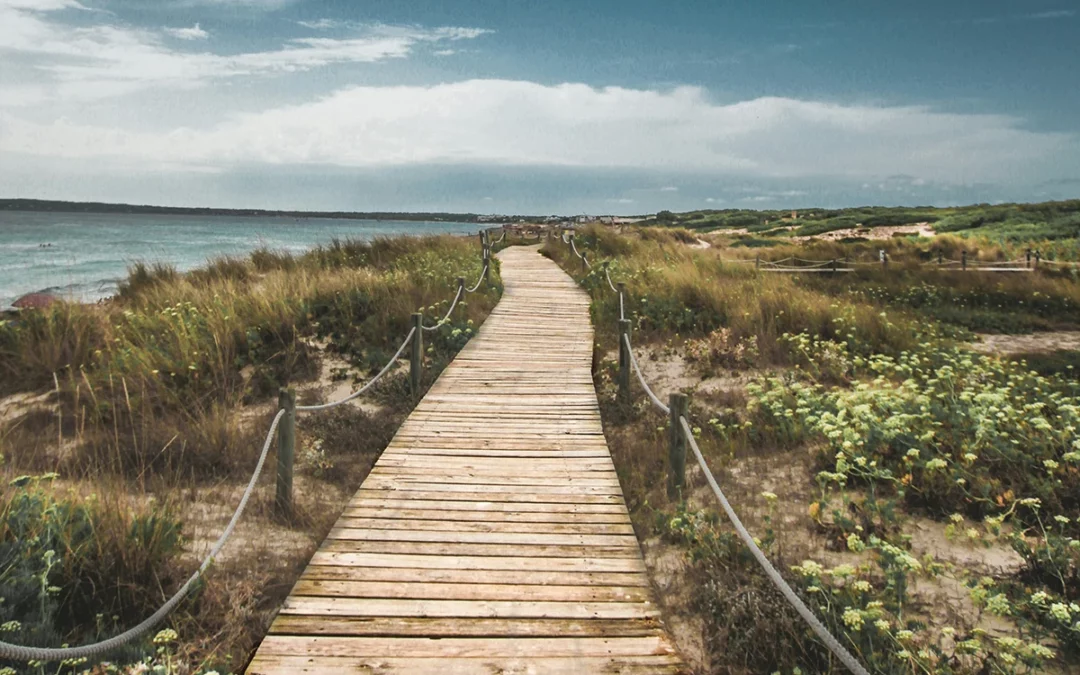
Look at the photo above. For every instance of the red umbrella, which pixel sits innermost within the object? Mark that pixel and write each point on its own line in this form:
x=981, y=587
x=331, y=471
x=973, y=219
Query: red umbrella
x=34, y=301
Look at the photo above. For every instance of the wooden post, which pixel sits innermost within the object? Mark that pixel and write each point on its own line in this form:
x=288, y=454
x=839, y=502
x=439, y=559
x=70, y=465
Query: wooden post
x=286, y=450
x=416, y=360
x=834, y=265
x=940, y=257
x=1038, y=257
x=757, y=261
x=461, y=288
x=1029, y=258
x=624, y=361
x=584, y=264
x=680, y=407
x=963, y=260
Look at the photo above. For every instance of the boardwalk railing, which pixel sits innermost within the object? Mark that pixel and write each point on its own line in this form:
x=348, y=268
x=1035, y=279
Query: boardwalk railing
x=284, y=425
x=681, y=436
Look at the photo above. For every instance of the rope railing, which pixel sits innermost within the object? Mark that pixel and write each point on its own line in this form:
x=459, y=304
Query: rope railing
x=446, y=317
x=789, y=594
x=23, y=653
x=641, y=378
x=483, y=274
x=370, y=383
x=15, y=652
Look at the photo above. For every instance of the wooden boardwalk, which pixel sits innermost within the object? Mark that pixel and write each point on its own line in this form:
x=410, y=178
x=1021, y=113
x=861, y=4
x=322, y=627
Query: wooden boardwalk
x=492, y=535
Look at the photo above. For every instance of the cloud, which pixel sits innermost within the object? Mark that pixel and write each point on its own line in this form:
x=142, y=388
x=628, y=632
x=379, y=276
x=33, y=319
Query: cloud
x=670, y=188
x=1056, y=14
x=713, y=200
x=444, y=52
x=320, y=24
x=623, y=200
x=193, y=33
x=518, y=123
x=102, y=60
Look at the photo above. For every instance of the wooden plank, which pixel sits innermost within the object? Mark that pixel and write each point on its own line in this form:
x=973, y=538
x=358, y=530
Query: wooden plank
x=345, y=665
x=466, y=609
x=456, y=576
x=335, y=588
x=299, y=624
x=472, y=647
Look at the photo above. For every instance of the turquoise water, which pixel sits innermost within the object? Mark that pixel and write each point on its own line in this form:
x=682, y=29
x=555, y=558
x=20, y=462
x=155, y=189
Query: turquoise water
x=82, y=256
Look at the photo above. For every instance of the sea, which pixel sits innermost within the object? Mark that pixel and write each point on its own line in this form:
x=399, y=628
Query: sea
x=82, y=257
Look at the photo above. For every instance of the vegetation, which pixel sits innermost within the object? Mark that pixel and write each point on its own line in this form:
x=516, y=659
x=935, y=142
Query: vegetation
x=859, y=390
x=1056, y=225
x=123, y=420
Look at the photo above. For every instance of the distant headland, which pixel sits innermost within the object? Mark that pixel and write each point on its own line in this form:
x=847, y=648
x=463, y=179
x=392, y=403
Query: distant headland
x=56, y=206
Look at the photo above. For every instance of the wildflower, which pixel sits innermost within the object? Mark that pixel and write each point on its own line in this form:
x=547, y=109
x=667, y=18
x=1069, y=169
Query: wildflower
x=853, y=619
x=769, y=496
x=854, y=543
x=862, y=586
x=903, y=655
x=882, y=625
x=903, y=635
x=1039, y=598
x=998, y=604
x=1062, y=519
x=809, y=568
x=1060, y=612
x=165, y=637
x=935, y=464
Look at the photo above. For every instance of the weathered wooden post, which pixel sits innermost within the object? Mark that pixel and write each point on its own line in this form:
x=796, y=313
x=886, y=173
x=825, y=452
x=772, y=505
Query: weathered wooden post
x=834, y=265
x=461, y=288
x=286, y=450
x=624, y=361
x=757, y=261
x=940, y=257
x=416, y=359
x=1029, y=258
x=584, y=264
x=680, y=407
x=963, y=260
x=1038, y=257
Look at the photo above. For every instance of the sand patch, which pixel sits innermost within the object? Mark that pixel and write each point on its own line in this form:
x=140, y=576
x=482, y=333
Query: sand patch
x=872, y=233
x=1035, y=343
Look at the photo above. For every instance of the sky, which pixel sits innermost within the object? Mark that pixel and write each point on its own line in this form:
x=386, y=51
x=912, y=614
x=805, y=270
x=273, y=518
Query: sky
x=539, y=106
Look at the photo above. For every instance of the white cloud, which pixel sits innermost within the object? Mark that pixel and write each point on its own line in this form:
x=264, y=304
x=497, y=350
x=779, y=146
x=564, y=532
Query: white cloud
x=444, y=52
x=98, y=61
x=713, y=200
x=670, y=188
x=193, y=33
x=498, y=122
x=320, y=24
x=1057, y=14
x=623, y=200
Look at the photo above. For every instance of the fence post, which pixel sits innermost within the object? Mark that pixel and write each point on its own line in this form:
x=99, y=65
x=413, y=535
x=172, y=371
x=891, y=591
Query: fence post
x=1029, y=258
x=963, y=260
x=1038, y=257
x=680, y=407
x=286, y=450
x=757, y=261
x=624, y=361
x=416, y=359
x=940, y=257
x=584, y=264
x=834, y=265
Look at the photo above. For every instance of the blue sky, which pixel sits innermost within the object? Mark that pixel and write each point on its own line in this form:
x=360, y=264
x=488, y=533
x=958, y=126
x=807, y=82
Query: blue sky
x=537, y=107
